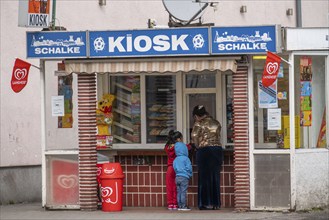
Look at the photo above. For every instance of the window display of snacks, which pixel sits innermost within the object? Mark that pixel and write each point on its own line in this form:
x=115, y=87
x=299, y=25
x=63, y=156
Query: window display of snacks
x=126, y=109
x=161, y=107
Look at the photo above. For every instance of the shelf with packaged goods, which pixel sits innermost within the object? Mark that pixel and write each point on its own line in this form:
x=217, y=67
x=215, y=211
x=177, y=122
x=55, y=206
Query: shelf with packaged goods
x=122, y=113
x=122, y=139
x=123, y=87
x=159, y=131
x=123, y=100
x=126, y=109
x=123, y=126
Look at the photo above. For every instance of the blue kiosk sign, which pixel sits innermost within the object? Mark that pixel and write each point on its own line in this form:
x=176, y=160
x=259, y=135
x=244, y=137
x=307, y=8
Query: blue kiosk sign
x=151, y=42
x=243, y=40
x=201, y=41
x=56, y=44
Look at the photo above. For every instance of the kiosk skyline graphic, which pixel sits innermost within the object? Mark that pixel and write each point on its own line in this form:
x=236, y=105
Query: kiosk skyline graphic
x=225, y=37
x=59, y=42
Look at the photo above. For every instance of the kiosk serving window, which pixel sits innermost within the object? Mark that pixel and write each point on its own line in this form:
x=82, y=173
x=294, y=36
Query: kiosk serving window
x=146, y=106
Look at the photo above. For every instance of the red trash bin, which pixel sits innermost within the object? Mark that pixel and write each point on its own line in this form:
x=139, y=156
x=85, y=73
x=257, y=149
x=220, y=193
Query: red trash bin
x=111, y=187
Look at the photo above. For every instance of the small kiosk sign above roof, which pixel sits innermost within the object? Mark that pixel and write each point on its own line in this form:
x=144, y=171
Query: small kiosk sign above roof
x=56, y=44
x=243, y=40
x=159, y=42
x=34, y=13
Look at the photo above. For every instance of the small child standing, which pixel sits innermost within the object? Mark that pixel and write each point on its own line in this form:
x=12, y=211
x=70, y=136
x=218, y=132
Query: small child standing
x=173, y=137
x=183, y=169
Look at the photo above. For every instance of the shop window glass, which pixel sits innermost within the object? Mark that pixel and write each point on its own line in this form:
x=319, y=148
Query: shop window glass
x=126, y=127
x=271, y=107
x=310, y=98
x=200, y=80
x=208, y=100
x=160, y=107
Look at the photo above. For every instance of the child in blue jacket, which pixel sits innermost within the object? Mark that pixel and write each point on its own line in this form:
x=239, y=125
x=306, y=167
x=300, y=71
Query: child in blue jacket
x=183, y=169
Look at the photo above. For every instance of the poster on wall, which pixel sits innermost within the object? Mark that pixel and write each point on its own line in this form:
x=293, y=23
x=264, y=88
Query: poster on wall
x=65, y=90
x=306, y=118
x=305, y=91
x=274, y=119
x=305, y=88
x=305, y=103
x=57, y=105
x=267, y=96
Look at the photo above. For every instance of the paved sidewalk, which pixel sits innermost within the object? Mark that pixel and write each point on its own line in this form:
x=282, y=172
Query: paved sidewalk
x=34, y=211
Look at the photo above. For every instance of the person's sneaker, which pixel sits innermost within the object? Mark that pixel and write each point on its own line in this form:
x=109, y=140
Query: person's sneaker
x=170, y=207
x=185, y=208
x=175, y=207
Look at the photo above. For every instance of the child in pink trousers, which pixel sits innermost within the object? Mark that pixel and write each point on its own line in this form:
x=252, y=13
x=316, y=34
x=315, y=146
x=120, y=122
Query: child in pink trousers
x=173, y=137
x=171, y=175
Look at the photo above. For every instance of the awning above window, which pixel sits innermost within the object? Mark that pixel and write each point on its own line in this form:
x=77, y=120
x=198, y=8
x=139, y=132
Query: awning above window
x=149, y=66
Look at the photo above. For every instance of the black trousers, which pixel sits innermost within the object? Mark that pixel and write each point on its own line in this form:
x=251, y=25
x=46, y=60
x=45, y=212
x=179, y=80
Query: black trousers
x=209, y=161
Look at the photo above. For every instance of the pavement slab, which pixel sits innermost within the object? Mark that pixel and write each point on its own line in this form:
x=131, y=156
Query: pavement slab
x=35, y=211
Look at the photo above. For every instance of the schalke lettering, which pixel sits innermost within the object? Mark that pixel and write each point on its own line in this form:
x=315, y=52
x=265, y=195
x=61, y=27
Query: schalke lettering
x=242, y=46
x=57, y=50
x=38, y=20
x=144, y=43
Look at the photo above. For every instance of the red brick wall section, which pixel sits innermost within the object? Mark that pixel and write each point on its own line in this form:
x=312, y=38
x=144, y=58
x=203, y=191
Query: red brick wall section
x=241, y=143
x=87, y=141
x=145, y=181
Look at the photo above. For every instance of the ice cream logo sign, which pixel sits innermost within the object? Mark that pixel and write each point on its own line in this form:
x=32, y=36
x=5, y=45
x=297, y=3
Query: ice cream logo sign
x=143, y=43
x=67, y=181
x=60, y=44
x=243, y=40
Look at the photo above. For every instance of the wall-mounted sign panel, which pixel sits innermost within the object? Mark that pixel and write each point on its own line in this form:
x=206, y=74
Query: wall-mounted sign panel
x=56, y=44
x=152, y=42
x=307, y=38
x=243, y=40
x=34, y=13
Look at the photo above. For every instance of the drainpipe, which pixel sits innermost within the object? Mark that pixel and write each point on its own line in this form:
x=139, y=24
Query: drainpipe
x=299, y=13
x=53, y=15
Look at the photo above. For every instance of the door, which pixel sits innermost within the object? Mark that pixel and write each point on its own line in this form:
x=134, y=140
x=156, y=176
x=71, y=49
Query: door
x=208, y=100
x=201, y=88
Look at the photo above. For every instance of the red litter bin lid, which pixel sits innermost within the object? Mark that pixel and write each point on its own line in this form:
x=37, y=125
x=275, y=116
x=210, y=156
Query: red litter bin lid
x=111, y=171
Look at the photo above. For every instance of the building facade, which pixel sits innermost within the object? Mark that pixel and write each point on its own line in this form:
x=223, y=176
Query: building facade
x=226, y=82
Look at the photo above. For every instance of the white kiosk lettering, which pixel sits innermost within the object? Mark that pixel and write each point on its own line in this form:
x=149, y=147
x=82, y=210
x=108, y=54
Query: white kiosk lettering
x=144, y=43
